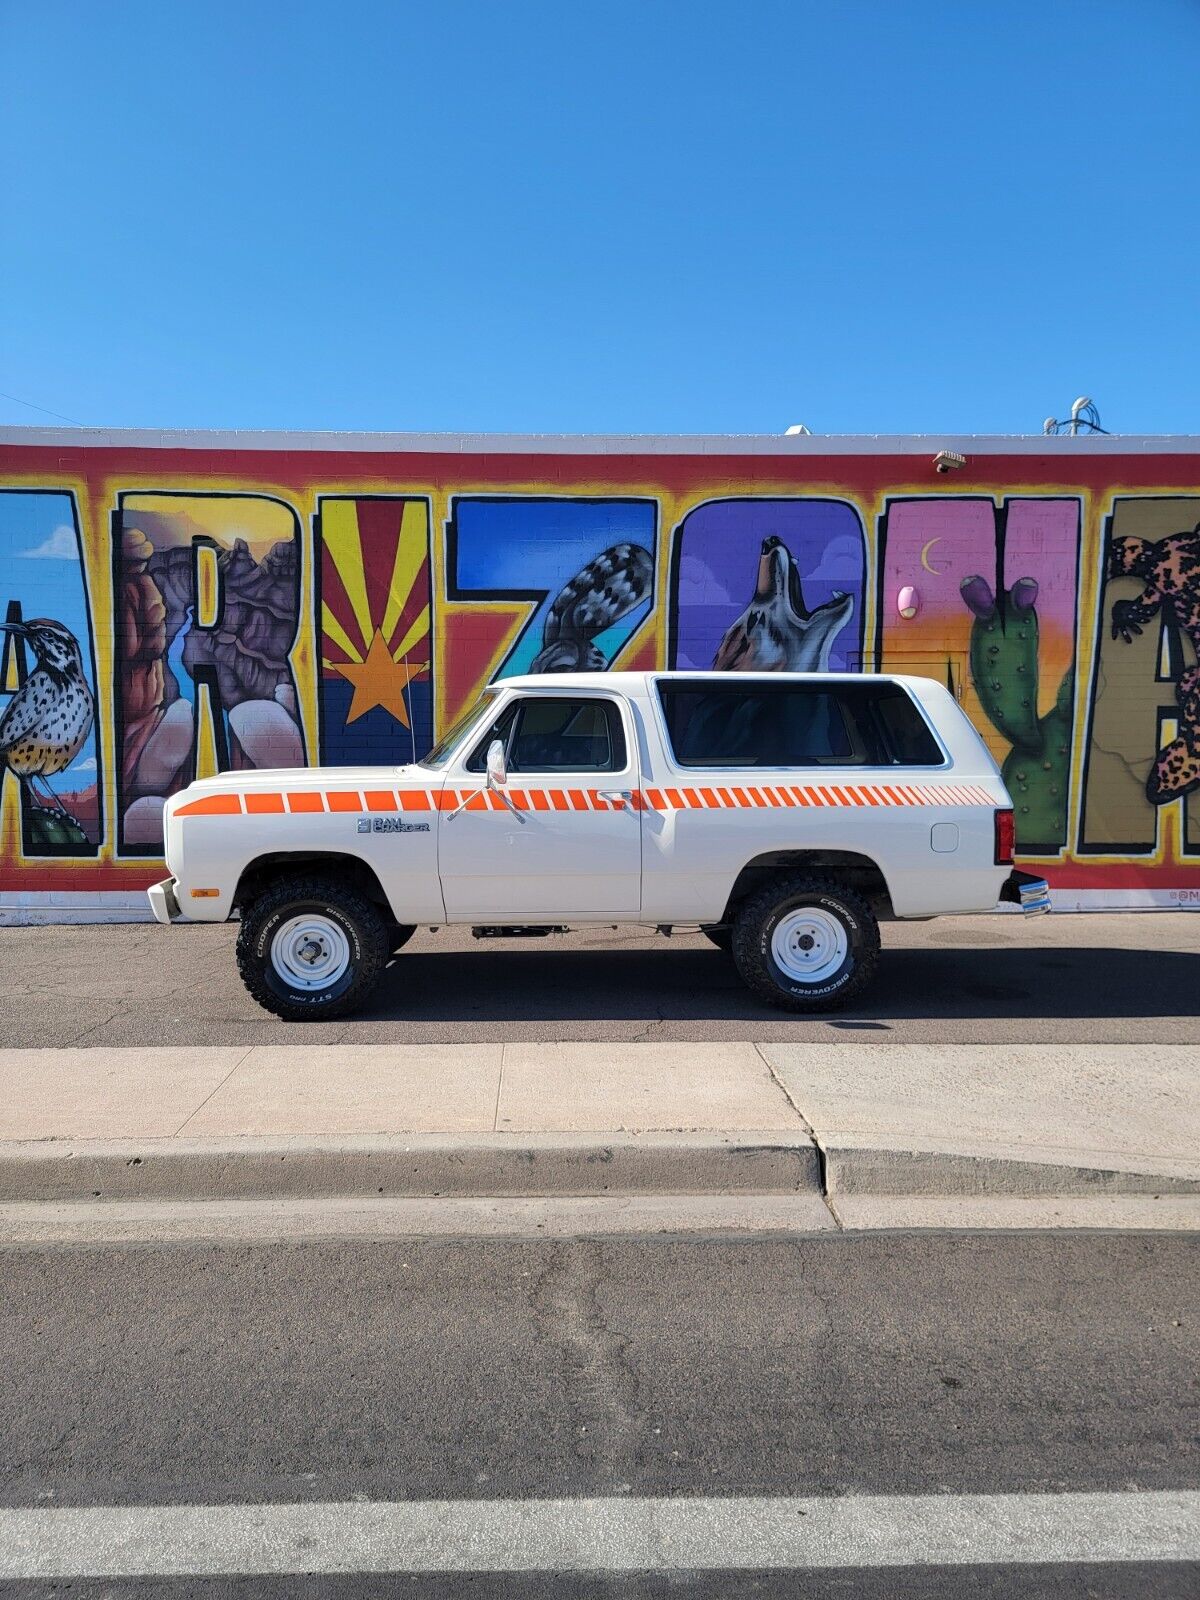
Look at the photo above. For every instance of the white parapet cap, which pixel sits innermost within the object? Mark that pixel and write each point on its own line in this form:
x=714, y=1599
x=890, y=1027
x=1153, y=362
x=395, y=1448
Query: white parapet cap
x=602, y=444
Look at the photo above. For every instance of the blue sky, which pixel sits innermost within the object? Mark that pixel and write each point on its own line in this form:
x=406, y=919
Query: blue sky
x=663, y=215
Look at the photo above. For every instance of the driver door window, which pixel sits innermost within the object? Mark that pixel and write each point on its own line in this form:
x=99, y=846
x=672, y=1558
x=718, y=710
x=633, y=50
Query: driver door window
x=556, y=736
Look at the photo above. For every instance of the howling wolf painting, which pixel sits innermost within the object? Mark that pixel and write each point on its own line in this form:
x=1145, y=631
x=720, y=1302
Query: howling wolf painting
x=777, y=632
x=768, y=585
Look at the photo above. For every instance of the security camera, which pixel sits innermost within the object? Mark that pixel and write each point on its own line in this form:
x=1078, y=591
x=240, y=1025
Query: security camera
x=949, y=460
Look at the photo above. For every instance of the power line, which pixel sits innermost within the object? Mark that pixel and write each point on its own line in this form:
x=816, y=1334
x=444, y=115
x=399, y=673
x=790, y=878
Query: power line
x=17, y=401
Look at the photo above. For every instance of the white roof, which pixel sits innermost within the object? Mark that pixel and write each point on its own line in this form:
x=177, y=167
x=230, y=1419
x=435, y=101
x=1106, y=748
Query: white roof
x=639, y=682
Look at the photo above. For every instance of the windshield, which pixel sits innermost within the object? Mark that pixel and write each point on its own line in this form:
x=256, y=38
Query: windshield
x=442, y=750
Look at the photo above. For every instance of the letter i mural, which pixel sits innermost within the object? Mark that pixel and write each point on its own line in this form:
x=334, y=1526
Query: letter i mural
x=375, y=676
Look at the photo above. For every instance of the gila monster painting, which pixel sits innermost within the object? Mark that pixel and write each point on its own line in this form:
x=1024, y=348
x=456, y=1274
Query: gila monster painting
x=1170, y=570
x=602, y=593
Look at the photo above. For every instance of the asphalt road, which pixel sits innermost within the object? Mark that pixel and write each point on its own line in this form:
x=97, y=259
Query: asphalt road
x=470, y=1370
x=1079, y=979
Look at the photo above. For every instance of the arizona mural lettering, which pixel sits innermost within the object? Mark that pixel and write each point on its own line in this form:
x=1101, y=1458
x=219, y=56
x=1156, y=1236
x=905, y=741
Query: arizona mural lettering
x=171, y=612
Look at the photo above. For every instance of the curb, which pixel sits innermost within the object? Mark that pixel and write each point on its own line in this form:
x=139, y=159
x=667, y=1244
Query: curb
x=541, y=1166
x=459, y=1166
x=875, y=1171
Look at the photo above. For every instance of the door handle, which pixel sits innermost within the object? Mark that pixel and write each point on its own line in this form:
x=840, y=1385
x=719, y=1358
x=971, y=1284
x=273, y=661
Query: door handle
x=619, y=797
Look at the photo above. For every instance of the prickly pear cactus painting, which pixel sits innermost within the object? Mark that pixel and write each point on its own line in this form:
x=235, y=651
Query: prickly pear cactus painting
x=1004, y=669
x=55, y=831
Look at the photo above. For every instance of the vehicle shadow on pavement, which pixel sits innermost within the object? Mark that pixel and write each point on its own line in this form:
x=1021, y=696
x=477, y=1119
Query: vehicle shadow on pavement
x=545, y=984
x=971, y=981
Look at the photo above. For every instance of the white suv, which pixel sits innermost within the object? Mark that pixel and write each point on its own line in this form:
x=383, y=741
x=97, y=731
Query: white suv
x=782, y=814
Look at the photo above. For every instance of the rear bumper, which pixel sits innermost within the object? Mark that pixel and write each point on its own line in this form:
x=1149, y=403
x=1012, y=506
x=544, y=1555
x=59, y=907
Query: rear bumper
x=163, y=902
x=1024, y=890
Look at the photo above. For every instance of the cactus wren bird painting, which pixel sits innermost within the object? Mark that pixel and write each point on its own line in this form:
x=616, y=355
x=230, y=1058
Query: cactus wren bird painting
x=44, y=725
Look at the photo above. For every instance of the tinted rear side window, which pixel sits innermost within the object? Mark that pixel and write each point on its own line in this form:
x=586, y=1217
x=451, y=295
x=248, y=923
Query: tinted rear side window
x=906, y=731
x=756, y=724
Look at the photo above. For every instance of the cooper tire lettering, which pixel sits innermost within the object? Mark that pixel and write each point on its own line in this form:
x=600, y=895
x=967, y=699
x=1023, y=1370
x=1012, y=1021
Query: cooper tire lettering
x=366, y=932
x=755, y=926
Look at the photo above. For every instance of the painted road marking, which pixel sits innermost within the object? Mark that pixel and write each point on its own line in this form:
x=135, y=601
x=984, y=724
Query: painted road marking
x=616, y=1534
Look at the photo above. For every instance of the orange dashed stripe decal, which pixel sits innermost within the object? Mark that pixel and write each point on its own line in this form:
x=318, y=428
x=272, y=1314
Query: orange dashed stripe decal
x=259, y=804
x=742, y=798
x=213, y=805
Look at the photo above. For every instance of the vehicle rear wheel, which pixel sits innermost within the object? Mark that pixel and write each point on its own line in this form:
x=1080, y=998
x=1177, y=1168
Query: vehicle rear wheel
x=722, y=937
x=807, y=944
x=310, y=948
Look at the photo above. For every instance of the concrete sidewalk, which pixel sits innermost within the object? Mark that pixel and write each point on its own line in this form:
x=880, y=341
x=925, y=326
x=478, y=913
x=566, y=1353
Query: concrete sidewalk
x=882, y=1133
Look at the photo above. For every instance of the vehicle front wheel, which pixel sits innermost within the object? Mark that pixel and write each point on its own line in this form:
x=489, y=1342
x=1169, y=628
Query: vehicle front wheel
x=310, y=948
x=807, y=944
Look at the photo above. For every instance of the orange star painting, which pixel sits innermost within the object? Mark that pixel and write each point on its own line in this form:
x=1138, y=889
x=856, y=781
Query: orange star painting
x=373, y=605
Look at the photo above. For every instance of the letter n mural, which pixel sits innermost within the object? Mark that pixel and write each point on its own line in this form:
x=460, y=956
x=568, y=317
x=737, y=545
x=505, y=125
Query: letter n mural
x=375, y=676
x=1143, y=736
x=207, y=601
x=991, y=603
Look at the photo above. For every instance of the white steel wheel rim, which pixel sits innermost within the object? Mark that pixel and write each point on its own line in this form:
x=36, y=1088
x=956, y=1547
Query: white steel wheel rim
x=809, y=945
x=310, y=952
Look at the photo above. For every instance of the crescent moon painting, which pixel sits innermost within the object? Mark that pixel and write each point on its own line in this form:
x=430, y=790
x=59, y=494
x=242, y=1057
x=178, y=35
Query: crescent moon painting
x=925, y=549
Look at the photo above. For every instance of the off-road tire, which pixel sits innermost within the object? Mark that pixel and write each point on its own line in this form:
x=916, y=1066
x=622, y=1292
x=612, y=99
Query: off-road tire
x=722, y=937
x=758, y=918
x=365, y=927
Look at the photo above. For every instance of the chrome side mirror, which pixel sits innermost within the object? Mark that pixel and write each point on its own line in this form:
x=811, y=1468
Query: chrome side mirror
x=497, y=777
x=497, y=767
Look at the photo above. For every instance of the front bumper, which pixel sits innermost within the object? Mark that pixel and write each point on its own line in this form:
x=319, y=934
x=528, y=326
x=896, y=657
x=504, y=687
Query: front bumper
x=1024, y=890
x=163, y=902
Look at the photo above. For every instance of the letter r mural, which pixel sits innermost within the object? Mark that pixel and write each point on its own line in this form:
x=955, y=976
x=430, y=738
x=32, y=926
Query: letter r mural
x=207, y=601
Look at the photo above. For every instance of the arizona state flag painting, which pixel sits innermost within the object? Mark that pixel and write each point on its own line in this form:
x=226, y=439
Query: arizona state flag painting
x=376, y=643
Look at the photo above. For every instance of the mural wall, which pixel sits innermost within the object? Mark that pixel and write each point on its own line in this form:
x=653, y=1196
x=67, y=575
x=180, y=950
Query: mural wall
x=170, y=612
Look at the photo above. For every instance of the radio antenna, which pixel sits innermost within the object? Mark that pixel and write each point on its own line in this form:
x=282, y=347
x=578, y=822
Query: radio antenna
x=412, y=732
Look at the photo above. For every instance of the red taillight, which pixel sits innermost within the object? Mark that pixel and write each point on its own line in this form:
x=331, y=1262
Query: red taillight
x=1006, y=838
